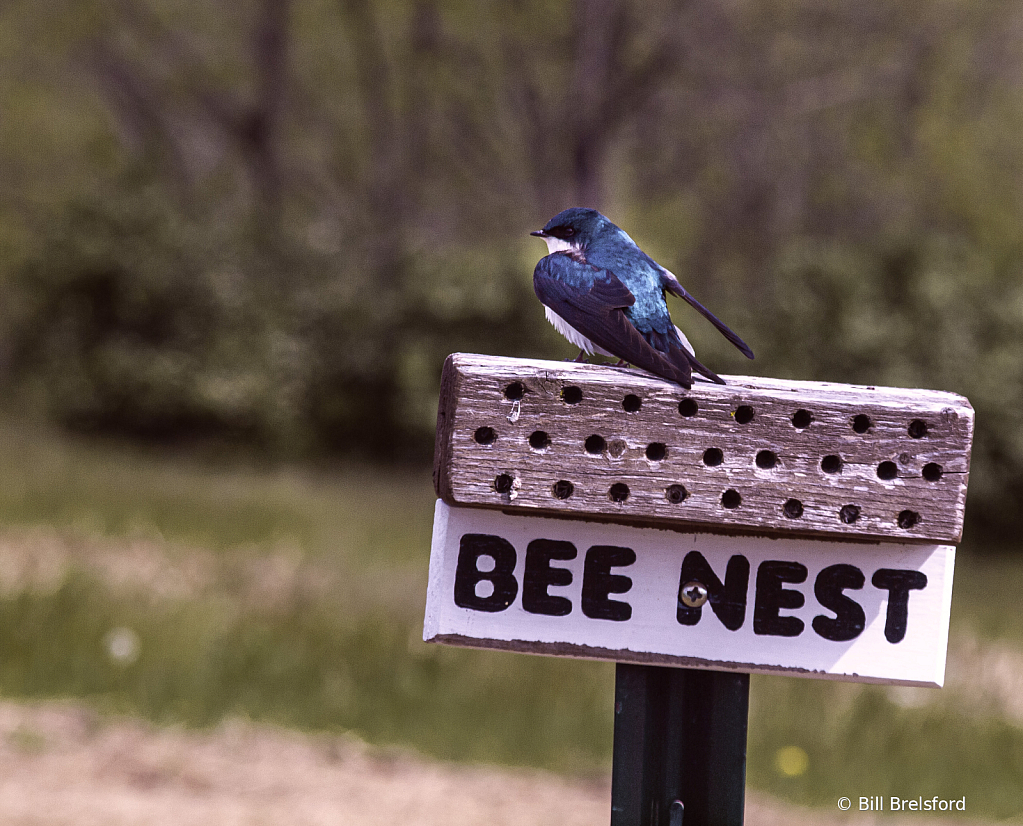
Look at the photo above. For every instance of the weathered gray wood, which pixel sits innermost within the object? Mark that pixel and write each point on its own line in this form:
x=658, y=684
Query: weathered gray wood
x=492, y=407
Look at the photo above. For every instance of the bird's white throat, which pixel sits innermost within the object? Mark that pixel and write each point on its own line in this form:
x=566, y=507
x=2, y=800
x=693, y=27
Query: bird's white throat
x=559, y=245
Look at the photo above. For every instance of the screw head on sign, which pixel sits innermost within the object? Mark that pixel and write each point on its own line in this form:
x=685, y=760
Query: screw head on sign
x=693, y=594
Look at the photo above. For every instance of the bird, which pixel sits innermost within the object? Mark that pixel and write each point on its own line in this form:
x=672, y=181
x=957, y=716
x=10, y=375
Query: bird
x=607, y=297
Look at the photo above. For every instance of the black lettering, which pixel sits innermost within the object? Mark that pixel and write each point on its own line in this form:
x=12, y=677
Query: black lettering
x=849, y=620
x=727, y=600
x=771, y=597
x=467, y=574
x=598, y=582
x=898, y=584
x=539, y=576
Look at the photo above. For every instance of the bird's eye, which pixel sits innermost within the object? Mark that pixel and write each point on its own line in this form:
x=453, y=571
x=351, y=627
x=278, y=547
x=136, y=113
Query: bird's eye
x=569, y=232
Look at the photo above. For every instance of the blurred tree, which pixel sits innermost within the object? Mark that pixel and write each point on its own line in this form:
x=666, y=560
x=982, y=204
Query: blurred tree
x=172, y=106
x=271, y=220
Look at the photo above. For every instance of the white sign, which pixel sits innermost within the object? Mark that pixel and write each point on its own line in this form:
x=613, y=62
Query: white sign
x=875, y=612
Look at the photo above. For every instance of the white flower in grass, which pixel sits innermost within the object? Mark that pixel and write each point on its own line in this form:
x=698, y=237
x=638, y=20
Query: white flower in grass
x=122, y=645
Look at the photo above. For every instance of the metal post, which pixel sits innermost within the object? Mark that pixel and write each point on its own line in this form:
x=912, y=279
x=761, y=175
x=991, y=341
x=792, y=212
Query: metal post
x=679, y=747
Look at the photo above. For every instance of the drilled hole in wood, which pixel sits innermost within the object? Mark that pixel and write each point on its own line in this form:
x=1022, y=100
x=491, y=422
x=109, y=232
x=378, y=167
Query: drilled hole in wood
x=932, y=471
x=744, y=414
x=595, y=445
x=908, y=519
x=793, y=509
x=831, y=463
x=618, y=492
x=688, y=407
x=514, y=391
x=676, y=494
x=631, y=403
x=801, y=419
x=539, y=440
x=656, y=451
x=503, y=483
x=562, y=489
x=861, y=423
x=731, y=499
x=572, y=395
x=887, y=471
x=917, y=429
x=712, y=456
x=849, y=513
x=766, y=459
x=484, y=436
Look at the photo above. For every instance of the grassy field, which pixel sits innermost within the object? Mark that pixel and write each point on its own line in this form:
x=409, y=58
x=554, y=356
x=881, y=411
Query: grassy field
x=188, y=591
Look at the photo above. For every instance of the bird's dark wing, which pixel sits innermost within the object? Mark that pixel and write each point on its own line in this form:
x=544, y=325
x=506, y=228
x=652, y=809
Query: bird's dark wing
x=593, y=301
x=671, y=284
x=673, y=350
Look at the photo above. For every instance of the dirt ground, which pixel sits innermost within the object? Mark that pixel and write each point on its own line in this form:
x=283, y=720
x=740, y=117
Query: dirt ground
x=65, y=765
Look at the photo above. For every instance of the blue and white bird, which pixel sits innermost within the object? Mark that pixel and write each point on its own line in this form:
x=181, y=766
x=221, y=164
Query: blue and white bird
x=607, y=296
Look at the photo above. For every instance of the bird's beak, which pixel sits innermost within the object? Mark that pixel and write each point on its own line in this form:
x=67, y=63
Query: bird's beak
x=539, y=233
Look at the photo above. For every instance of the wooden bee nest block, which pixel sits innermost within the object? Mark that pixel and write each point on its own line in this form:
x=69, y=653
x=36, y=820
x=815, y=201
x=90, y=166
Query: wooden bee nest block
x=753, y=455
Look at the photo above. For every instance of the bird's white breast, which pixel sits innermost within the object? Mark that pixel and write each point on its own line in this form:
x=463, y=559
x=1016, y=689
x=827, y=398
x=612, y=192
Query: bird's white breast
x=567, y=330
x=573, y=335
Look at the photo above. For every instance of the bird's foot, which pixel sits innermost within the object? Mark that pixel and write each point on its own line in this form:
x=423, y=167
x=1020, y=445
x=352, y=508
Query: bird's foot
x=621, y=363
x=582, y=358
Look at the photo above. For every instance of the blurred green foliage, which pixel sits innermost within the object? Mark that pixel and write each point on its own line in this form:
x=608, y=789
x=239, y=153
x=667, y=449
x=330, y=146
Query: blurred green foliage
x=269, y=223
x=139, y=323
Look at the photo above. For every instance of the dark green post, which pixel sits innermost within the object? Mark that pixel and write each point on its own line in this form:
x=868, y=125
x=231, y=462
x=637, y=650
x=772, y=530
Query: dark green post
x=679, y=747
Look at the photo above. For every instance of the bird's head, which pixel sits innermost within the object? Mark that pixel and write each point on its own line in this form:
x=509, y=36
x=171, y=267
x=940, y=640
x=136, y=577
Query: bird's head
x=572, y=229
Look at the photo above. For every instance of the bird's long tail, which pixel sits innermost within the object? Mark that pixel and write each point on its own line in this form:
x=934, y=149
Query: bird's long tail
x=672, y=286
